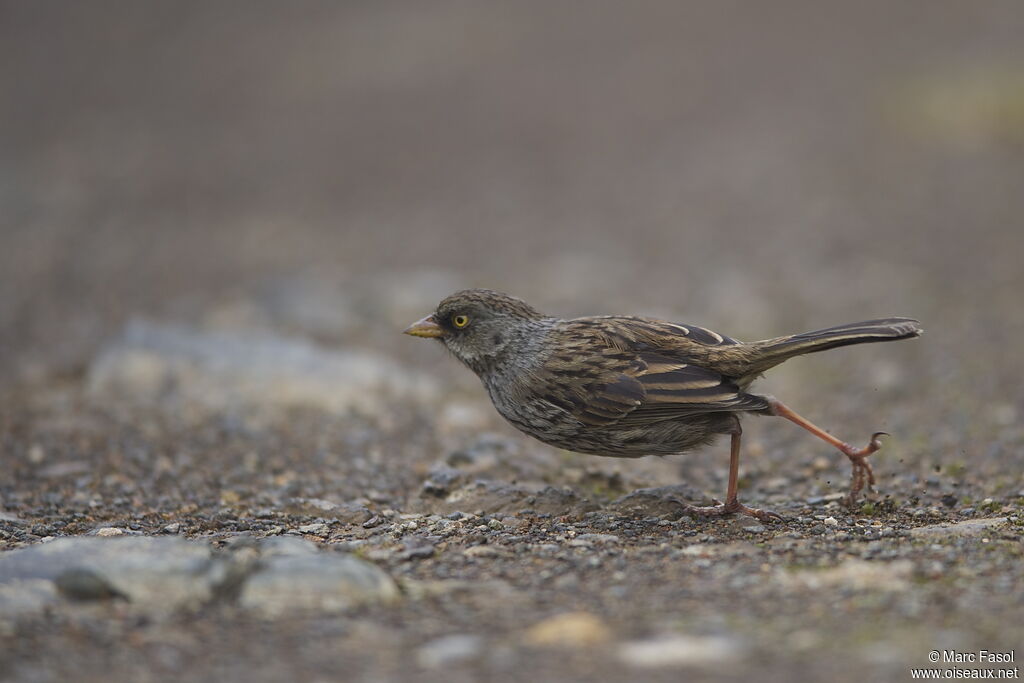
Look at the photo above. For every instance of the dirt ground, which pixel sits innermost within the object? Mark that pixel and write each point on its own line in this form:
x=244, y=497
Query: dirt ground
x=218, y=218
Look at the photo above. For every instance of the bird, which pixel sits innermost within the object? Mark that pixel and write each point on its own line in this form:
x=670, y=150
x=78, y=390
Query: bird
x=629, y=386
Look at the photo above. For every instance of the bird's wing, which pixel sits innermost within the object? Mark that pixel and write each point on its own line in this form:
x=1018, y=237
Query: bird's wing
x=628, y=377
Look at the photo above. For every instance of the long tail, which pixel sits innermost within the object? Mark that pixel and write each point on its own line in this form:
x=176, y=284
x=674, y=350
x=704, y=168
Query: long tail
x=771, y=352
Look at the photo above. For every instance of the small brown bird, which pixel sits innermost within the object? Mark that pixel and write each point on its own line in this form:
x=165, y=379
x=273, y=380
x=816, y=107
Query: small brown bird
x=626, y=387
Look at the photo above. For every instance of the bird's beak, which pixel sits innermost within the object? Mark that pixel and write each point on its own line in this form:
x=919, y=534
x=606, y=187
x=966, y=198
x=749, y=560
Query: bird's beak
x=427, y=327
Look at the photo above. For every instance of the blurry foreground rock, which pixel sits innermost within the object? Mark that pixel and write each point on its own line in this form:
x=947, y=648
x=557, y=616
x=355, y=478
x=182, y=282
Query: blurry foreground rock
x=153, y=362
x=162, y=574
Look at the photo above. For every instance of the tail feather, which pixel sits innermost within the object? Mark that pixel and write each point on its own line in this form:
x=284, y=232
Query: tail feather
x=771, y=352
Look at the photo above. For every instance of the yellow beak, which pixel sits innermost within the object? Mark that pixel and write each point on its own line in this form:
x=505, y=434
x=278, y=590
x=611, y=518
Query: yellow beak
x=427, y=327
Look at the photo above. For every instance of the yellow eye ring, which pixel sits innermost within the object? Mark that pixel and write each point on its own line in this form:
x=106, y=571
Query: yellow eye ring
x=460, y=321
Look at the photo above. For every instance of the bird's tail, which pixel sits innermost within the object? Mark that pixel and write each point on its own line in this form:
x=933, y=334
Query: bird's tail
x=771, y=352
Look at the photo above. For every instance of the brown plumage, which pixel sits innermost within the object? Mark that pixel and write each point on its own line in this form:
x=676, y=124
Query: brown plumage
x=625, y=386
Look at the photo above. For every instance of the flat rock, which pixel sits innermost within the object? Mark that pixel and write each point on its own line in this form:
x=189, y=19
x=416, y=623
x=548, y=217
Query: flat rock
x=346, y=513
x=156, y=363
x=493, y=497
x=326, y=582
x=853, y=574
x=152, y=572
x=968, y=527
x=656, y=502
x=26, y=596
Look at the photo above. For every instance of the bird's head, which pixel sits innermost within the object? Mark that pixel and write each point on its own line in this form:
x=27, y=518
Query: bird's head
x=478, y=325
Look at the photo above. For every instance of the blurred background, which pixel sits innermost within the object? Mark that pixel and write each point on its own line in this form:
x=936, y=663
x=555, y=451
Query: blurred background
x=206, y=206
x=756, y=168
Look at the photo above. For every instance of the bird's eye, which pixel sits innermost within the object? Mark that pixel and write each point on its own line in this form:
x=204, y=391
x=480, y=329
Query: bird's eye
x=460, y=321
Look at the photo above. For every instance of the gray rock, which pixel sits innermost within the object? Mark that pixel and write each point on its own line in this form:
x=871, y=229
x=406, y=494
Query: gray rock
x=442, y=479
x=11, y=519
x=86, y=584
x=449, y=650
x=655, y=501
x=492, y=497
x=595, y=539
x=680, y=650
x=346, y=513
x=26, y=596
x=326, y=582
x=153, y=362
x=286, y=546
x=417, y=549
x=315, y=529
x=162, y=573
x=968, y=527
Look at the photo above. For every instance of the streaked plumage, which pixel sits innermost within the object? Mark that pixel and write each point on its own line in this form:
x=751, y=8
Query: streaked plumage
x=617, y=385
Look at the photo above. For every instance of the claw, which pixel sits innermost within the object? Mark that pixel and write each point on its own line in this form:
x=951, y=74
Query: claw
x=720, y=509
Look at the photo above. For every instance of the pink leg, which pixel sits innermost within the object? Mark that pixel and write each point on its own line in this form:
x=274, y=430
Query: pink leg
x=862, y=472
x=732, y=503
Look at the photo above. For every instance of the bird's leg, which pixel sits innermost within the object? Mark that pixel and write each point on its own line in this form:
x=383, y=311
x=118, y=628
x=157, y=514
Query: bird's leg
x=862, y=472
x=732, y=503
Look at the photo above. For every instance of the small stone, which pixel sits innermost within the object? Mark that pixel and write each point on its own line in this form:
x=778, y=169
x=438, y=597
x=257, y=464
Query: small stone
x=495, y=525
x=449, y=650
x=315, y=529
x=597, y=539
x=374, y=521
x=109, y=531
x=441, y=480
x=172, y=528
x=485, y=551
x=573, y=629
x=830, y=521
x=346, y=513
x=84, y=584
x=11, y=519
x=36, y=454
x=417, y=549
x=678, y=650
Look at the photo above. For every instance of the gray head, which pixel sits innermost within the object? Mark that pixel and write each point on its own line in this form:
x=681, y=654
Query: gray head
x=479, y=325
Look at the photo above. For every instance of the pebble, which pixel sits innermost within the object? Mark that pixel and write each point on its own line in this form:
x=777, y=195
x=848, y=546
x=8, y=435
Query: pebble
x=570, y=630
x=449, y=650
x=11, y=519
x=679, y=650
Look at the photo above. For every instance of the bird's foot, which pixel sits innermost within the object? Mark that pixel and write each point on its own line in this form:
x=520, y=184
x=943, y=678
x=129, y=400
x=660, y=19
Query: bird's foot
x=862, y=475
x=720, y=509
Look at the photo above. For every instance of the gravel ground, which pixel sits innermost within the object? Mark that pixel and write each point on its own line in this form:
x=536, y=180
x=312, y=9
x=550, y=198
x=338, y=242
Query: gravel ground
x=221, y=460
